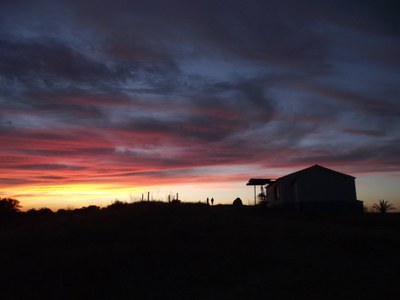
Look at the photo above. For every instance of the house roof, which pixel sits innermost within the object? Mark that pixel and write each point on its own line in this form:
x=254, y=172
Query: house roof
x=313, y=168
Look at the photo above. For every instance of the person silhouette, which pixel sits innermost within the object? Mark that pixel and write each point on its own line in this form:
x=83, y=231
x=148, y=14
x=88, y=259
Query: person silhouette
x=208, y=201
x=212, y=201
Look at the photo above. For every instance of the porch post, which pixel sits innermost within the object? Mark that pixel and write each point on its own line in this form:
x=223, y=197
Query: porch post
x=255, y=196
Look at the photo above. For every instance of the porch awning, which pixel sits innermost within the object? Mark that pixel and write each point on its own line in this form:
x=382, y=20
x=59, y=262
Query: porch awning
x=259, y=181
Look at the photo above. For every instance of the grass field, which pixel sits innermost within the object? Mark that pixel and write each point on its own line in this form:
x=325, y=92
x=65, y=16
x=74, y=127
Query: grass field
x=194, y=251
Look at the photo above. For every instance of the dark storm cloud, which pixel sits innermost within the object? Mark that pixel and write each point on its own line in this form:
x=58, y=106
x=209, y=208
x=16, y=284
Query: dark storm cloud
x=112, y=87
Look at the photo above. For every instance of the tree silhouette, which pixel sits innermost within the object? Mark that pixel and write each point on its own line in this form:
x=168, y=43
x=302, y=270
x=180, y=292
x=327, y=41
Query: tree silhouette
x=9, y=206
x=383, y=206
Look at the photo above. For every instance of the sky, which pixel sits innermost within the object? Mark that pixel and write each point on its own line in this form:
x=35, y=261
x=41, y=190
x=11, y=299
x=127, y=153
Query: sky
x=104, y=100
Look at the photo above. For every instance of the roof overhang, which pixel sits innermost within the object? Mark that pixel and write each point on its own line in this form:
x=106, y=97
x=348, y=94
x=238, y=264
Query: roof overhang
x=259, y=181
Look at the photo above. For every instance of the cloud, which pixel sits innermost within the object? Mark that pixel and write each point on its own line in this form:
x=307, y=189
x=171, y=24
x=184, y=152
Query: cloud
x=45, y=167
x=134, y=90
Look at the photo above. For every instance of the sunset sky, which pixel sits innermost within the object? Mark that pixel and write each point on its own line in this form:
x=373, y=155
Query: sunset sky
x=105, y=100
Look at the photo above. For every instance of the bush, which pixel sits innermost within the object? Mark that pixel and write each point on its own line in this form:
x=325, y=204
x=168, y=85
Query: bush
x=117, y=204
x=40, y=212
x=237, y=202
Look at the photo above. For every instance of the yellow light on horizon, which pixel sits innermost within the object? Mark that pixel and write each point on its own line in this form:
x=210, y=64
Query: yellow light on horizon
x=68, y=195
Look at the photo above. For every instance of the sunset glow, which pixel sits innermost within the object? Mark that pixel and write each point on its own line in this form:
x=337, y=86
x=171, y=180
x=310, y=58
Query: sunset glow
x=109, y=102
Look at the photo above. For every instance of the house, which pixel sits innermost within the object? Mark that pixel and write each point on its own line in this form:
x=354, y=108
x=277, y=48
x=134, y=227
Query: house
x=315, y=189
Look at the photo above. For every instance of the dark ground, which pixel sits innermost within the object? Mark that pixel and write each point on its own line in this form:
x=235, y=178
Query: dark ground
x=161, y=251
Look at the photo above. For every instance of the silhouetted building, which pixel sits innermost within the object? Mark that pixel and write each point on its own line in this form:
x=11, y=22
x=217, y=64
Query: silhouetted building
x=315, y=189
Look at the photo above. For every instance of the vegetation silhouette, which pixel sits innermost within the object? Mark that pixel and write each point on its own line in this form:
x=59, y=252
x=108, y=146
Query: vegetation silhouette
x=9, y=206
x=237, y=202
x=42, y=211
x=117, y=204
x=383, y=206
x=159, y=250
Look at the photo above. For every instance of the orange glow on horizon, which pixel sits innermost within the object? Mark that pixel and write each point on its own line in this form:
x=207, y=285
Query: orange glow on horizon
x=67, y=195
x=79, y=195
x=224, y=186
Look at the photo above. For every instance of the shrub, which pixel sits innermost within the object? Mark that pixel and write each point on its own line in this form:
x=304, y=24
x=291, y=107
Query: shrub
x=237, y=202
x=117, y=204
x=40, y=212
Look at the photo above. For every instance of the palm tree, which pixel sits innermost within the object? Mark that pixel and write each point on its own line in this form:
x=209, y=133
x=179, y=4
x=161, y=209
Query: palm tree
x=383, y=206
